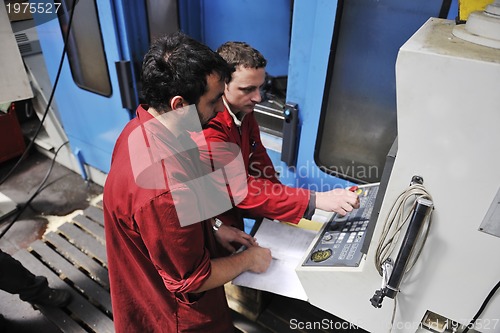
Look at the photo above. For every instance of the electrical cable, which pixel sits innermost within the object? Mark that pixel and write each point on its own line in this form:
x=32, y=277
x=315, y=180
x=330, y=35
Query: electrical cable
x=397, y=218
x=38, y=190
x=393, y=316
x=49, y=102
x=483, y=306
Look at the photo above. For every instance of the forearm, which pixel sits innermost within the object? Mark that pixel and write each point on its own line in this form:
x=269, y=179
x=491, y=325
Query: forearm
x=225, y=269
x=275, y=201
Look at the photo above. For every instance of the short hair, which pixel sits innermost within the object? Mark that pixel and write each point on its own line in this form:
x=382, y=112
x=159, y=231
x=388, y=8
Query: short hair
x=178, y=65
x=241, y=54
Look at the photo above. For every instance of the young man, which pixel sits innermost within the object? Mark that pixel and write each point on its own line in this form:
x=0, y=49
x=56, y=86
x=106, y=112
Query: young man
x=267, y=197
x=164, y=274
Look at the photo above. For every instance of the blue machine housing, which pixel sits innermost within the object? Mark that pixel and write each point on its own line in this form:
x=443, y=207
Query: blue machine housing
x=93, y=122
x=296, y=41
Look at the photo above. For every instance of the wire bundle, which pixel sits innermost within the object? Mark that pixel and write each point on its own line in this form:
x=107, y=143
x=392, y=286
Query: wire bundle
x=397, y=218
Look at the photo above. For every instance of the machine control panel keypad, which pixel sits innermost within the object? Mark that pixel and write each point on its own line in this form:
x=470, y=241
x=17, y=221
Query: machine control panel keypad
x=342, y=239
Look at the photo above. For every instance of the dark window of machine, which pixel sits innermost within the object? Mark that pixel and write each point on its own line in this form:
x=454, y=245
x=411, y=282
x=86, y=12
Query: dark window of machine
x=162, y=17
x=85, y=47
x=358, y=120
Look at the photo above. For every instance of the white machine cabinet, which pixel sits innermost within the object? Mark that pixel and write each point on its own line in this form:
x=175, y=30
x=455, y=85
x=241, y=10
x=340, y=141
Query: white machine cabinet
x=448, y=109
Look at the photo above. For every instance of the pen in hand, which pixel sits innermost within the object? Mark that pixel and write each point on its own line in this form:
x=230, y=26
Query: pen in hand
x=243, y=248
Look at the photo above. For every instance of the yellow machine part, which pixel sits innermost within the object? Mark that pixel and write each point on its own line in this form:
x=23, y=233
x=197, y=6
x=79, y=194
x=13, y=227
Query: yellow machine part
x=465, y=7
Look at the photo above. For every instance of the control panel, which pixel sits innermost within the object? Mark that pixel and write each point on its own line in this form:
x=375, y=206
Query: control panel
x=343, y=237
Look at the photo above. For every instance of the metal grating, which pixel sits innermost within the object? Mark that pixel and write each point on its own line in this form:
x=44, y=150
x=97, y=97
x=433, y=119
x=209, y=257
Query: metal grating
x=74, y=258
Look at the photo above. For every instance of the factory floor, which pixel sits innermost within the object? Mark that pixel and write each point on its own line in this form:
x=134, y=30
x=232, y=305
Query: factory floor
x=63, y=194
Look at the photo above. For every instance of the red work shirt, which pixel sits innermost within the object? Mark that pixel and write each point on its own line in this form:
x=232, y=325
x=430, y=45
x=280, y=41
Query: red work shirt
x=266, y=197
x=154, y=263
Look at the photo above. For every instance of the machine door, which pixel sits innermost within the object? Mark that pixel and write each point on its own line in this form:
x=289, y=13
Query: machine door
x=100, y=53
x=341, y=75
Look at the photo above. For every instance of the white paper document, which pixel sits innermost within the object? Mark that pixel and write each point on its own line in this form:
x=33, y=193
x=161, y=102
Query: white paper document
x=288, y=245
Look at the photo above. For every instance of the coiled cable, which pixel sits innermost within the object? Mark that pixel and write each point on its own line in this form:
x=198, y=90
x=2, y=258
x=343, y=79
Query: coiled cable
x=397, y=218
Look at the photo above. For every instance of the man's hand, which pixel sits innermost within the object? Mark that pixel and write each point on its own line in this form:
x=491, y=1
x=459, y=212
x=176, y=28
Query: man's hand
x=225, y=235
x=339, y=201
x=261, y=258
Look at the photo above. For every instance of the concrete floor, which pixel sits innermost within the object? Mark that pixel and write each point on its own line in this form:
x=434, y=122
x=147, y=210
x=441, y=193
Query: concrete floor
x=64, y=193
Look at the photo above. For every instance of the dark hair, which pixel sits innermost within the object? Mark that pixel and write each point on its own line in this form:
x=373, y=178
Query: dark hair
x=240, y=53
x=177, y=65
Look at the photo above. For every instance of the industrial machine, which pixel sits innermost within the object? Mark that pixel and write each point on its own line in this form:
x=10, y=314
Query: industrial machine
x=447, y=114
